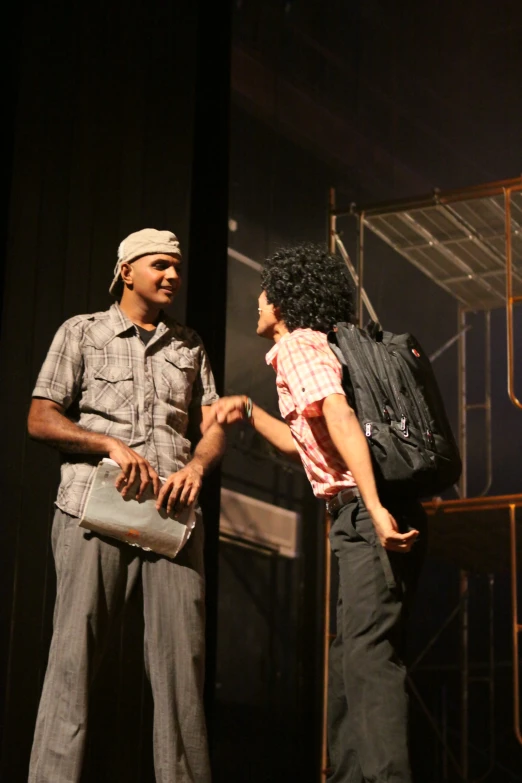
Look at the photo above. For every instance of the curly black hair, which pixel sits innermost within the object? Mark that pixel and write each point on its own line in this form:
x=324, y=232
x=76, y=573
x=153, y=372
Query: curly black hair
x=310, y=286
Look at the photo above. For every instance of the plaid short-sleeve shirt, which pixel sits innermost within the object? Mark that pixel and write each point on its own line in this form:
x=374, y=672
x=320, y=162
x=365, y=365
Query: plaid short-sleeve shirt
x=308, y=372
x=109, y=382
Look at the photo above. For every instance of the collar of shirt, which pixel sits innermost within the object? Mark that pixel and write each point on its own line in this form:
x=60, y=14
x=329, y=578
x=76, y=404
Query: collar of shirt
x=120, y=323
x=271, y=356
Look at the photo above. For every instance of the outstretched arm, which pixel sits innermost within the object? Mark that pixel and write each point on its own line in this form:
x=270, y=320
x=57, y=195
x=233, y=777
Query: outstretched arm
x=230, y=409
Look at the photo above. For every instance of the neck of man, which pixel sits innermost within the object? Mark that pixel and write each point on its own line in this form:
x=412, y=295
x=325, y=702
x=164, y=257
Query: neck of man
x=138, y=311
x=279, y=331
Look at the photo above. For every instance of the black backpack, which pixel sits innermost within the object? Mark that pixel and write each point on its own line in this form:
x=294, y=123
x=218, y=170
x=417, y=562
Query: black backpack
x=389, y=382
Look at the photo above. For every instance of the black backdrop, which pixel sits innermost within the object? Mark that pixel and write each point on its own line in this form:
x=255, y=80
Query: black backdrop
x=109, y=117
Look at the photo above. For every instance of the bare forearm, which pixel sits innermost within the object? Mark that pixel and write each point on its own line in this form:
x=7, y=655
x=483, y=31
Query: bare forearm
x=274, y=431
x=350, y=441
x=56, y=430
x=210, y=448
x=231, y=409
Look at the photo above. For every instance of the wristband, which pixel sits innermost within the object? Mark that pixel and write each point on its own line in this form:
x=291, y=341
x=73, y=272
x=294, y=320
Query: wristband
x=248, y=407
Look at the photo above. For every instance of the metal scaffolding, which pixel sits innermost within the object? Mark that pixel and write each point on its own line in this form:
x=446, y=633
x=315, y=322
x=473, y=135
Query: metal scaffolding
x=468, y=242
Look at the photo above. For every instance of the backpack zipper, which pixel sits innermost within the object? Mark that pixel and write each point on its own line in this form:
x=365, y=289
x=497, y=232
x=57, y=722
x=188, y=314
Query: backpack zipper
x=404, y=419
x=417, y=401
x=384, y=363
x=363, y=363
x=383, y=366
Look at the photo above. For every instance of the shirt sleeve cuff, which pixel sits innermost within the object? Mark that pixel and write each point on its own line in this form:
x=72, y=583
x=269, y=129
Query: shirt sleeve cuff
x=209, y=399
x=50, y=394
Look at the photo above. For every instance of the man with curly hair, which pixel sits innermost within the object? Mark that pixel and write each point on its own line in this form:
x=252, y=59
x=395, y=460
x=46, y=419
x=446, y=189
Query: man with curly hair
x=305, y=292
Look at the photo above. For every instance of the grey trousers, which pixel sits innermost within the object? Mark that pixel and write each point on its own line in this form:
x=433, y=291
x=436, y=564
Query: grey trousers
x=95, y=577
x=367, y=701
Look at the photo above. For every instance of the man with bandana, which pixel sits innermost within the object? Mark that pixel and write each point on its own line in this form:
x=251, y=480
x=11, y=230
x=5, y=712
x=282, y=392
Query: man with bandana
x=131, y=384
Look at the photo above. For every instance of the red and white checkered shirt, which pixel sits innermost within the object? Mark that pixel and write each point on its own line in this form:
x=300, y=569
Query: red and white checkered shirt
x=308, y=372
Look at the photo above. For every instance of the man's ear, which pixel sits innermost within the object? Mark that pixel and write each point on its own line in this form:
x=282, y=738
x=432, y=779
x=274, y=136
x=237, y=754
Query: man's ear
x=126, y=273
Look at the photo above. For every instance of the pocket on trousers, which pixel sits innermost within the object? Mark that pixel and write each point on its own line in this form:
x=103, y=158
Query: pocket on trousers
x=351, y=527
x=367, y=531
x=354, y=525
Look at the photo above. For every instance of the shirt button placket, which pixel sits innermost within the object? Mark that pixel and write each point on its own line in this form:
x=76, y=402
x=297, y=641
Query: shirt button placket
x=146, y=394
x=148, y=405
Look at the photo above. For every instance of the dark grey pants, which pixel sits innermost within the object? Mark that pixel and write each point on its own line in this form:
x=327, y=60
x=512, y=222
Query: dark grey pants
x=367, y=701
x=95, y=577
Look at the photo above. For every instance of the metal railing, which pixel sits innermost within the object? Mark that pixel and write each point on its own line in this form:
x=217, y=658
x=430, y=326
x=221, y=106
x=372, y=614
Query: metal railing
x=511, y=300
x=488, y=190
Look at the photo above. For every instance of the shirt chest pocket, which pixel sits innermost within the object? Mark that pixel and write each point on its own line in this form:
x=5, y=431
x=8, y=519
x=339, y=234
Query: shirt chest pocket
x=111, y=388
x=178, y=377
